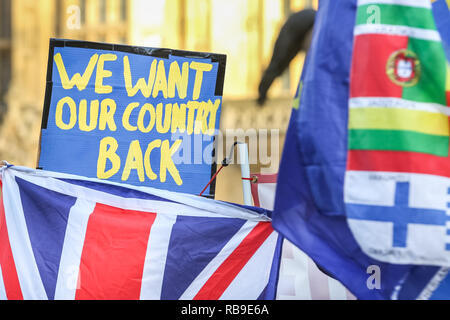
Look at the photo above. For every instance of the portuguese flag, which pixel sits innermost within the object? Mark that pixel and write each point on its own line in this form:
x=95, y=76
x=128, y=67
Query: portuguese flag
x=399, y=90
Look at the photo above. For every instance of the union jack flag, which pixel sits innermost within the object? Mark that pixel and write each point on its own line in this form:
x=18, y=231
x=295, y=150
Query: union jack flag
x=68, y=237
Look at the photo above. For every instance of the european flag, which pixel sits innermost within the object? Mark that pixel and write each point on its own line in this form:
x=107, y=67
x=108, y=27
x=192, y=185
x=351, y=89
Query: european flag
x=309, y=206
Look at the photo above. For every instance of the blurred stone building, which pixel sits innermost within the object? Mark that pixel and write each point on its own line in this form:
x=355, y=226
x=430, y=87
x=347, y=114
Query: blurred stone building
x=244, y=30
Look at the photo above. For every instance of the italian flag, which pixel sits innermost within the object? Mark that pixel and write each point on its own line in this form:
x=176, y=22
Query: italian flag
x=399, y=103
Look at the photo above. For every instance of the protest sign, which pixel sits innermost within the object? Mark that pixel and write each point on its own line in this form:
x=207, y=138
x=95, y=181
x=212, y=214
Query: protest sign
x=136, y=115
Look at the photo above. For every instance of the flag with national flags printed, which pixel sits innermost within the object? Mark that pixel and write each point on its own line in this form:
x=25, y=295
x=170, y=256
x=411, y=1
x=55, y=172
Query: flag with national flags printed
x=397, y=184
x=69, y=237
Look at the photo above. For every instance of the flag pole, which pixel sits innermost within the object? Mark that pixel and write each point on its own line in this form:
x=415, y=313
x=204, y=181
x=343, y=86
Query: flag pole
x=245, y=172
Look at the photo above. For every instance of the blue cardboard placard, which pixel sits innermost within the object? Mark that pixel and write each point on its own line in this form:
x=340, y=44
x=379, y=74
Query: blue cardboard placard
x=136, y=115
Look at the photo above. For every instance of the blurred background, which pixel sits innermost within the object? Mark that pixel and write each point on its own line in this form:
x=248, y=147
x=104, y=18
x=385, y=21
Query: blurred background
x=244, y=30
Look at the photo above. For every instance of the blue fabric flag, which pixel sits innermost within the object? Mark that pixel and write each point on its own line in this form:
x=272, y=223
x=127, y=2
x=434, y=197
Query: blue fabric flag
x=309, y=209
